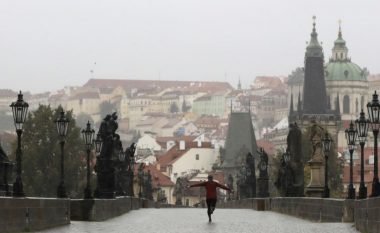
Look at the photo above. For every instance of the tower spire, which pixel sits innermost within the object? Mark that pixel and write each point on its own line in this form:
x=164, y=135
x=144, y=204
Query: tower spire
x=340, y=50
x=239, y=84
x=314, y=49
x=299, y=104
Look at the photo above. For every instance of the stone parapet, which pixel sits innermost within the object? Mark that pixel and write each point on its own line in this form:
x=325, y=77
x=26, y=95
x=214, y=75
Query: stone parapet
x=314, y=209
x=367, y=215
x=33, y=214
x=103, y=209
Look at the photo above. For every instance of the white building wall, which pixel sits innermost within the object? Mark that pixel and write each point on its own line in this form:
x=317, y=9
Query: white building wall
x=188, y=162
x=148, y=142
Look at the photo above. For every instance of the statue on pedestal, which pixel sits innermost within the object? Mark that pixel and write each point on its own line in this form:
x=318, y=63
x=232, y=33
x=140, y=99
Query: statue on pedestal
x=5, y=173
x=178, y=190
x=316, y=185
x=263, y=180
x=105, y=165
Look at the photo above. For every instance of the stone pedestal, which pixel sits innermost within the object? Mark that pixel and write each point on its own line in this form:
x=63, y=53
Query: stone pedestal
x=106, y=187
x=263, y=187
x=316, y=185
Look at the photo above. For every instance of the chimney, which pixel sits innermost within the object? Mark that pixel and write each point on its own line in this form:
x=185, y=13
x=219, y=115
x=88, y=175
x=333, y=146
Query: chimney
x=182, y=145
x=199, y=143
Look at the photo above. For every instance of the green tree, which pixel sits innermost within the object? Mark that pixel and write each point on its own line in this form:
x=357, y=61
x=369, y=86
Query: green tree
x=106, y=107
x=174, y=107
x=41, y=155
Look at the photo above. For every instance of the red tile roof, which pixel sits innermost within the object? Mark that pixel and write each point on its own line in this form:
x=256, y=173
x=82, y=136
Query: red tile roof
x=158, y=178
x=175, y=153
x=267, y=146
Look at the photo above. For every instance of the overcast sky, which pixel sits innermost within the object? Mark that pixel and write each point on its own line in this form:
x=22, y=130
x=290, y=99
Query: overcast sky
x=48, y=44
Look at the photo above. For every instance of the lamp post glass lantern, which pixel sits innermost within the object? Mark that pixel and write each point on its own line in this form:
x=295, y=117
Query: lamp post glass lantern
x=362, y=125
x=98, y=143
x=62, y=123
x=20, y=111
x=88, y=135
x=374, y=117
x=351, y=136
x=326, y=144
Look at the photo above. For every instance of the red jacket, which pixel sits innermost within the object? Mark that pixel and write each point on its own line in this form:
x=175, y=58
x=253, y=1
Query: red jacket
x=211, y=188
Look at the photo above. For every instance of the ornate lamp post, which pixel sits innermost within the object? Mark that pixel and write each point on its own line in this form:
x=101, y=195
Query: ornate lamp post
x=374, y=115
x=362, y=125
x=19, y=110
x=62, y=125
x=98, y=143
x=88, y=135
x=326, y=143
x=131, y=175
x=120, y=178
x=288, y=178
x=351, y=135
x=140, y=174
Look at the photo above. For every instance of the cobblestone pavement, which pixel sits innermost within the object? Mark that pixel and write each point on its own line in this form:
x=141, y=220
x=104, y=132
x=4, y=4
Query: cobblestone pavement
x=196, y=221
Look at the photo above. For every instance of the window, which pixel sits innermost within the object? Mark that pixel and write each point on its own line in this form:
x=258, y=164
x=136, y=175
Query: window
x=362, y=102
x=197, y=157
x=346, y=104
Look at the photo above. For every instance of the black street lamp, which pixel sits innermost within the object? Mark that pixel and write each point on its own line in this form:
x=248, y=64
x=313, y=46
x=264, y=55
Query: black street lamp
x=362, y=125
x=120, y=174
x=351, y=136
x=19, y=110
x=140, y=174
x=88, y=135
x=326, y=144
x=98, y=143
x=62, y=125
x=374, y=115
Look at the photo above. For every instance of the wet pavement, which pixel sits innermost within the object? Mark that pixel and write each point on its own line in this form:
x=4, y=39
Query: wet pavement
x=196, y=221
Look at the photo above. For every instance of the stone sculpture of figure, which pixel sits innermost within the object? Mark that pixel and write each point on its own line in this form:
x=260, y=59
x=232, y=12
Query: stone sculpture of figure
x=3, y=155
x=148, y=188
x=316, y=134
x=295, y=171
x=263, y=164
x=178, y=191
x=250, y=176
x=230, y=184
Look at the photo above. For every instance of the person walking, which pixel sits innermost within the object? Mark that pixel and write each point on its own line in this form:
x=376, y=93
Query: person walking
x=211, y=194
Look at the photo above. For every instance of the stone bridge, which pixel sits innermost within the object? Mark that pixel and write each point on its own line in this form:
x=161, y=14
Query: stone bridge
x=195, y=220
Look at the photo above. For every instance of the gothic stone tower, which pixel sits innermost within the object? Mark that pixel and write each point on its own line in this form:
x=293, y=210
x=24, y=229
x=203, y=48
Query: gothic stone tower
x=314, y=108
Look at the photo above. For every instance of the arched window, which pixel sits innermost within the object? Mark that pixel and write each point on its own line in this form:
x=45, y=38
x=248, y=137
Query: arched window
x=346, y=104
x=357, y=105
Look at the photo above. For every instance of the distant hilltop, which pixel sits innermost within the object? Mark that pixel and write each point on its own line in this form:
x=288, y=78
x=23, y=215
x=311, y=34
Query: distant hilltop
x=130, y=84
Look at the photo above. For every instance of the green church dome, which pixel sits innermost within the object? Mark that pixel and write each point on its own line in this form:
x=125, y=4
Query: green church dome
x=340, y=67
x=344, y=71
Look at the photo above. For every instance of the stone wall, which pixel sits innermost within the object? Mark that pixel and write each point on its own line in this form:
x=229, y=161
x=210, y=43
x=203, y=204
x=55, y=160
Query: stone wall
x=250, y=203
x=314, y=209
x=103, y=209
x=367, y=215
x=32, y=214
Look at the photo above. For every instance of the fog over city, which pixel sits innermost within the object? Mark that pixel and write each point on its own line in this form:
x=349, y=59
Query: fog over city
x=46, y=45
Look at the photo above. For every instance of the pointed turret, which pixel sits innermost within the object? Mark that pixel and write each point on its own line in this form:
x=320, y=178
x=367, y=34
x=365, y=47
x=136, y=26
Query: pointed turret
x=314, y=49
x=340, y=50
x=299, y=104
x=314, y=90
x=291, y=109
x=239, y=84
